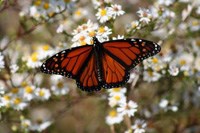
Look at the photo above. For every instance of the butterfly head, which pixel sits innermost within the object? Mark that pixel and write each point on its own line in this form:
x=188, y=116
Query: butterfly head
x=95, y=40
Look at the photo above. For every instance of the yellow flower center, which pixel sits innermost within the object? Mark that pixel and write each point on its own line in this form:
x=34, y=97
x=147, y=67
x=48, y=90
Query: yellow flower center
x=46, y=6
x=34, y=57
x=182, y=62
x=113, y=113
x=103, y=12
x=134, y=25
x=78, y=12
x=82, y=38
x=117, y=98
x=85, y=27
x=127, y=107
x=82, y=42
x=60, y=85
x=15, y=90
x=51, y=14
x=155, y=60
x=91, y=33
x=41, y=93
x=29, y=89
x=150, y=73
x=6, y=97
x=37, y=3
x=101, y=29
x=195, y=23
x=45, y=47
x=17, y=101
x=24, y=83
x=116, y=89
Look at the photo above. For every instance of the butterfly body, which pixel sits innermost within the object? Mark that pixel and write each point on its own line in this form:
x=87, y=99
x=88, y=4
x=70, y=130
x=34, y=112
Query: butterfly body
x=100, y=65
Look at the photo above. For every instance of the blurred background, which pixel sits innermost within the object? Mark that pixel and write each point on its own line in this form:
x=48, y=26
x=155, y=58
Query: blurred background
x=161, y=96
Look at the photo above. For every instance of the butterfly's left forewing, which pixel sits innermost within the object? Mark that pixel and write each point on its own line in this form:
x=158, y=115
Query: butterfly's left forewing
x=78, y=63
x=68, y=62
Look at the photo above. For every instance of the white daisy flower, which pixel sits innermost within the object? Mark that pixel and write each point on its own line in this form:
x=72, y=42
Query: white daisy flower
x=5, y=100
x=96, y=3
x=34, y=60
x=173, y=70
x=116, y=91
x=42, y=94
x=194, y=25
x=34, y=12
x=116, y=99
x=25, y=124
x=116, y=10
x=139, y=126
x=127, y=108
x=16, y=92
x=44, y=51
x=40, y=119
x=40, y=126
x=60, y=88
x=103, y=33
x=103, y=14
x=145, y=15
x=151, y=76
x=113, y=118
x=18, y=103
x=185, y=61
x=29, y=92
x=2, y=63
x=80, y=13
x=135, y=24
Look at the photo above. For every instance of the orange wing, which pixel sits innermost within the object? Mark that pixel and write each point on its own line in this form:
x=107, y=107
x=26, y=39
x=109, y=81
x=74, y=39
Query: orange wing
x=114, y=74
x=68, y=62
x=120, y=56
x=78, y=63
x=88, y=78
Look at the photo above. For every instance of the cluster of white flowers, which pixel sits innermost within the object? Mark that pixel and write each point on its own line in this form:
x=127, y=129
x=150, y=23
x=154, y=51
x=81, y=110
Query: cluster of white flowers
x=107, y=13
x=45, y=9
x=42, y=52
x=121, y=108
x=84, y=33
x=19, y=98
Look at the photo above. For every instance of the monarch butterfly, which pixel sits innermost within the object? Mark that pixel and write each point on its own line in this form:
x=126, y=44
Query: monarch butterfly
x=100, y=65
